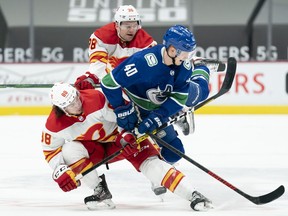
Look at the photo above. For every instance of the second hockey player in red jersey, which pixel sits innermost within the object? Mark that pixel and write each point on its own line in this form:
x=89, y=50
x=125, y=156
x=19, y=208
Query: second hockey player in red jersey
x=81, y=131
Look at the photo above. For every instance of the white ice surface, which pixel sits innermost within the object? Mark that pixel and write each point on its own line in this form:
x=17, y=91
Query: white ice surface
x=248, y=151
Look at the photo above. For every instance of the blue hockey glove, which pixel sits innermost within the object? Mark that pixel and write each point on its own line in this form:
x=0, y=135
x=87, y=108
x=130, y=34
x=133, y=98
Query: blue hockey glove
x=153, y=121
x=126, y=116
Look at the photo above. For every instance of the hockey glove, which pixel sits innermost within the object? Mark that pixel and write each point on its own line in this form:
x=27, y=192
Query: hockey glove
x=126, y=116
x=86, y=81
x=65, y=178
x=153, y=121
x=127, y=140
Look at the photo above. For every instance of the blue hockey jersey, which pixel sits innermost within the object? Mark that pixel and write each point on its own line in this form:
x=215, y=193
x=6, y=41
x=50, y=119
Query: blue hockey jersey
x=149, y=83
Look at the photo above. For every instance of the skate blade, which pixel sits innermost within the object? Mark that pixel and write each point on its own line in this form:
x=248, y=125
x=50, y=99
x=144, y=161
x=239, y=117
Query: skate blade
x=160, y=193
x=161, y=197
x=106, y=204
x=202, y=206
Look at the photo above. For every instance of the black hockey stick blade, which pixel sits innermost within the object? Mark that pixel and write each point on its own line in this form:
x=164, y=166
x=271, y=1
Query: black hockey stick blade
x=267, y=197
x=221, y=67
x=256, y=200
x=227, y=83
x=231, y=70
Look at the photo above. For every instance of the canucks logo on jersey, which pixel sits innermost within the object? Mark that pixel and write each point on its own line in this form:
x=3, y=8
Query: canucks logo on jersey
x=158, y=96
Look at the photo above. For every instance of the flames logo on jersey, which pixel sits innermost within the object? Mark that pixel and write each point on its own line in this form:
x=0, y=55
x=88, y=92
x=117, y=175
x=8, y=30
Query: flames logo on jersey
x=95, y=132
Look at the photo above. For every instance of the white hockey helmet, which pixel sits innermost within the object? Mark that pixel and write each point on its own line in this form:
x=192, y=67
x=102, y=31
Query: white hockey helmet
x=62, y=94
x=127, y=13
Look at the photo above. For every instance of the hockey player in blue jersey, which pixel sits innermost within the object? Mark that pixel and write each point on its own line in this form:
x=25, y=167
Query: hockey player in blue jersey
x=159, y=82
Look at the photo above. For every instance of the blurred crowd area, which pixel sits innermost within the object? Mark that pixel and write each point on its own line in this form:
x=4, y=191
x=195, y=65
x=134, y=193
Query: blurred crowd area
x=58, y=31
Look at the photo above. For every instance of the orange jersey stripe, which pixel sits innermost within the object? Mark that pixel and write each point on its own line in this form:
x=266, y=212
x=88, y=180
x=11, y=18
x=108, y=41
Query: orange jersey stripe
x=50, y=154
x=81, y=165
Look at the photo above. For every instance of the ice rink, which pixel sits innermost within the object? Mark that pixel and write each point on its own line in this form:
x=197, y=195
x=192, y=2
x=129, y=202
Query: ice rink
x=248, y=151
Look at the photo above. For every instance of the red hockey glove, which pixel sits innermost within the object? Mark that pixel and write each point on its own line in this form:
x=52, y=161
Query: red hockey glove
x=65, y=178
x=86, y=81
x=127, y=140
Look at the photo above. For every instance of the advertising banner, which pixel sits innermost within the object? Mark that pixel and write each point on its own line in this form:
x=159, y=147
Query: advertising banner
x=256, y=85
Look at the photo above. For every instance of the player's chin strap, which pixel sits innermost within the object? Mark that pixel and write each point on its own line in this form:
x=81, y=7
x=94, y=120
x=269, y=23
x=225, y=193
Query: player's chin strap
x=172, y=58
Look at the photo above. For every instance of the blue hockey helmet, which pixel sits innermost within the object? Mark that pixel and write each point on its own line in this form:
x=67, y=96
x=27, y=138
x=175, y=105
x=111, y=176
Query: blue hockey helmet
x=179, y=37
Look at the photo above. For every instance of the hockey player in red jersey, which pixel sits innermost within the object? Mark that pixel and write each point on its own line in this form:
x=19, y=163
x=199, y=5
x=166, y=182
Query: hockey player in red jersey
x=113, y=43
x=81, y=131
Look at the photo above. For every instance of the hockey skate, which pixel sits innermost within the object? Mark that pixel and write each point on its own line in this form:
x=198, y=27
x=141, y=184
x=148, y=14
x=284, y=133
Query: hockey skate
x=158, y=190
x=186, y=124
x=101, y=199
x=200, y=202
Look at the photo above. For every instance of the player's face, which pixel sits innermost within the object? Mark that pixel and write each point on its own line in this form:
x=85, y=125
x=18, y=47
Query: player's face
x=127, y=30
x=74, y=108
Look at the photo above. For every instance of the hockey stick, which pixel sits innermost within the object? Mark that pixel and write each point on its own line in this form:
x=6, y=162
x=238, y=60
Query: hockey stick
x=204, y=61
x=227, y=83
x=228, y=80
x=34, y=85
x=259, y=200
x=105, y=160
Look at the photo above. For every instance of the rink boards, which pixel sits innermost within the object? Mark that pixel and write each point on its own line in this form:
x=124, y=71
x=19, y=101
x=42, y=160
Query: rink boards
x=258, y=88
